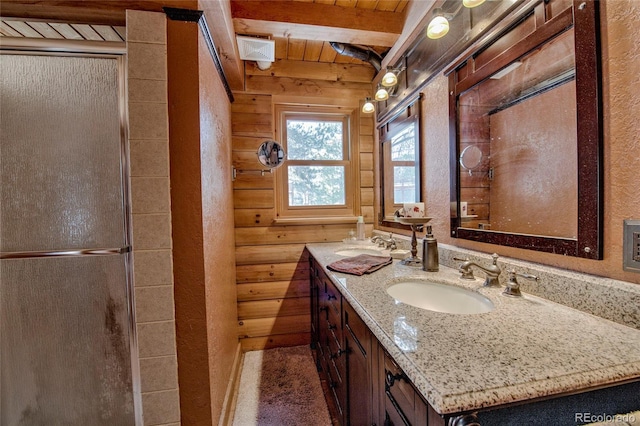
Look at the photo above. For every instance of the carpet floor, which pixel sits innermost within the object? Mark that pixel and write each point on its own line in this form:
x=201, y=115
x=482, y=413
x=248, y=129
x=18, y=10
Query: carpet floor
x=280, y=387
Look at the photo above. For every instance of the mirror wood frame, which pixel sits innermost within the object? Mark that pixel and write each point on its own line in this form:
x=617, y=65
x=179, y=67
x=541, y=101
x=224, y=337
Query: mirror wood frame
x=584, y=17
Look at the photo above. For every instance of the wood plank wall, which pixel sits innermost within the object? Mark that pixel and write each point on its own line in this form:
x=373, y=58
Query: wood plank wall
x=272, y=266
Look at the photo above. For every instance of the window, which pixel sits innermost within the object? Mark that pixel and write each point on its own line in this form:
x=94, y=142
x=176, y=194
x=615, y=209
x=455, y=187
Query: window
x=400, y=163
x=319, y=176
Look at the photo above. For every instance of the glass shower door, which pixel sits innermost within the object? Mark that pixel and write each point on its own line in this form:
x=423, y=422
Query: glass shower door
x=65, y=303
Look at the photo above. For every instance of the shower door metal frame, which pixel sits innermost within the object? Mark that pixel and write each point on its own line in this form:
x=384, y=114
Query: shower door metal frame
x=116, y=51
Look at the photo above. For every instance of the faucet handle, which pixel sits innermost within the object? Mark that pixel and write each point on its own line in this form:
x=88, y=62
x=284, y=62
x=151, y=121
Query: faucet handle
x=513, y=287
x=495, y=258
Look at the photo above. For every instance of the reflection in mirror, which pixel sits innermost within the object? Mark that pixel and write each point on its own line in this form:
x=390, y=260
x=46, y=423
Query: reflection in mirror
x=530, y=102
x=400, y=163
x=470, y=158
x=271, y=154
x=524, y=118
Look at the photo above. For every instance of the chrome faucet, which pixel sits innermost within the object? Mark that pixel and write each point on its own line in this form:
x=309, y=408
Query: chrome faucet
x=492, y=271
x=389, y=243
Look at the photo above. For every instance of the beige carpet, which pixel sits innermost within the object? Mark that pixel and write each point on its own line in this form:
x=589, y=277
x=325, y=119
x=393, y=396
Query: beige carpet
x=280, y=387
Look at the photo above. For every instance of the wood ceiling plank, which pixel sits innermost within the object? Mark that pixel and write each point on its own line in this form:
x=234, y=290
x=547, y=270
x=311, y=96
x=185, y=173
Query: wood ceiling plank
x=107, y=32
x=87, y=32
x=402, y=5
x=313, y=21
x=316, y=71
x=45, y=29
x=346, y=3
x=388, y=5
x=312, y=50
x=367, y=4
x=122, y=32
x=8, y=31
x=24, y=29
x=328, y=53
x=282, y=46
x=67, y=31
x=296, y=49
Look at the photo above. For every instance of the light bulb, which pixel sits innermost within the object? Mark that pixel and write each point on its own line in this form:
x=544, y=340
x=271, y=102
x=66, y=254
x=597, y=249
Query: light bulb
x=389, y=79
x=368, y=107
x=438, y=27
x=472, y=3
x=381, y=94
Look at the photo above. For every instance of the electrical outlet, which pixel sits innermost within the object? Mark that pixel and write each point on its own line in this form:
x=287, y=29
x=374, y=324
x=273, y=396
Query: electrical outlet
x=631, y=245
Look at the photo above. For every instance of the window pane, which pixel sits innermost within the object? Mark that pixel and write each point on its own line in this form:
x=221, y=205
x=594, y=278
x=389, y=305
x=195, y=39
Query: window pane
x=316, y=185
x=403, y=145
x=314, y=140
x=404, y=185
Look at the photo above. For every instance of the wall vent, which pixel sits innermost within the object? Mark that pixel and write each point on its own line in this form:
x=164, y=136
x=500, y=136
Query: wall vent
x=256, y=49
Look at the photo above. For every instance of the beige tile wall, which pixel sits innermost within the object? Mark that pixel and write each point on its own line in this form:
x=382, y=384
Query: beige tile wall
x=153, y=275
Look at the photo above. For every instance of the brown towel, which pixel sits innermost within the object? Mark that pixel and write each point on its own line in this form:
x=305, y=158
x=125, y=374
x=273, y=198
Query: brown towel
x=359, y=265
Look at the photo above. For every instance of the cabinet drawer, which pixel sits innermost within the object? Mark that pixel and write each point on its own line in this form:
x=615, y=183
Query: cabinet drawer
x=357, y=329
x=400, y=394
x=333, y=298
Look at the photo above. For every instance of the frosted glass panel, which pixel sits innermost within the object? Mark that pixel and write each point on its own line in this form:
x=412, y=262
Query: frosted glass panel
x=60, y=153
x=65, y=344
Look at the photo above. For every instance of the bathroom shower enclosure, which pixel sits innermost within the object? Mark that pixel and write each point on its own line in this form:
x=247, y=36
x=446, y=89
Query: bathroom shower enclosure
x=67, y=336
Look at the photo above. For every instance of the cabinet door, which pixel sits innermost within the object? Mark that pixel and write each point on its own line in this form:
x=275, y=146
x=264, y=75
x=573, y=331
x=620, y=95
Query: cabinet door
x=403, y=404
x=314, y=293
x=359, y=381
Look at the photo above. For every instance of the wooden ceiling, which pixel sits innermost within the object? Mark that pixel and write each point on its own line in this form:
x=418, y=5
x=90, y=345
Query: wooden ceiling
x=302, y=29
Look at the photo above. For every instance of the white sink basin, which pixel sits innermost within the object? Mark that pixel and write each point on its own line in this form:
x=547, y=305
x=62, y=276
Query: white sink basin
x=437, y=297
x=356, y=251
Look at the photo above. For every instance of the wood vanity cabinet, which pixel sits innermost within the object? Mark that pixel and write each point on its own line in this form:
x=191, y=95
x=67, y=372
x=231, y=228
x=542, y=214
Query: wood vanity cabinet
x=365, y=386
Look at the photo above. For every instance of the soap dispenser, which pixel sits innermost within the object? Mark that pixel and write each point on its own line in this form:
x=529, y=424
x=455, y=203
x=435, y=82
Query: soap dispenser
x=360, y=229
x=430, y=252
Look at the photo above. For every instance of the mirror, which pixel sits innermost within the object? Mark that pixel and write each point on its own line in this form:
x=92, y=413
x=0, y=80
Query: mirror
x=271, y=154
x=529, y=158
x=400, y=164
x=470, y=158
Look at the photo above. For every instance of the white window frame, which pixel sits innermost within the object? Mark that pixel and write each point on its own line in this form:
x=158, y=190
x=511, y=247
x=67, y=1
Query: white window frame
x=345, y=213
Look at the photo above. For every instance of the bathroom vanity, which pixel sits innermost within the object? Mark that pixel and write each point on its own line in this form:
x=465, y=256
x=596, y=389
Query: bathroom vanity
x=526, y=361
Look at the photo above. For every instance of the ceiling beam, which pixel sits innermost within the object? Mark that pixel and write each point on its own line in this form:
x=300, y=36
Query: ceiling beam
x=103, y=12
x=317, y=21
x=218, y=15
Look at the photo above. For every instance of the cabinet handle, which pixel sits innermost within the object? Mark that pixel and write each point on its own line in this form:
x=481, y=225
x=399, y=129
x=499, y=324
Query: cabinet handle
x=331, y=326
x=331, y=297
x=337, y=354
x=464, y=420
x=324, y=308
x=391, y=378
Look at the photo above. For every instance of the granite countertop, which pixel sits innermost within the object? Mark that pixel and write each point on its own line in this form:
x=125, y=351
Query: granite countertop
x=524, y=348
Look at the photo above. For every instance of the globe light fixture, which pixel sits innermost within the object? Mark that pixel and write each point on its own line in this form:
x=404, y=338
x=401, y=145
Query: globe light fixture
x=368, y=107
x=439, y=26
x=389, y=79
x=382, y=94
x=472, y=3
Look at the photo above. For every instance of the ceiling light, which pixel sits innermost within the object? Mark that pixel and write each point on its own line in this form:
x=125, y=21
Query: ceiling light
x=382, y=94
x=439, y=25
x=368, y=107
x=472, y=3
x=389, y=79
